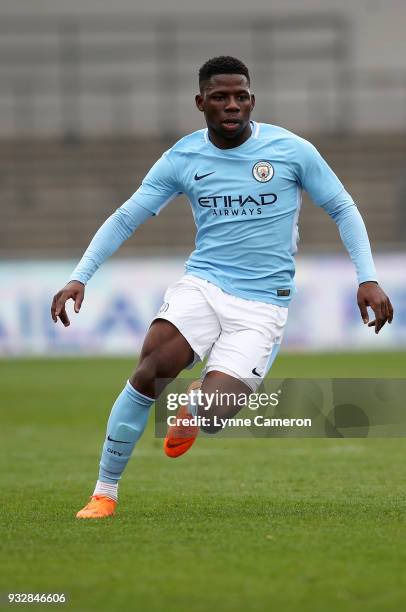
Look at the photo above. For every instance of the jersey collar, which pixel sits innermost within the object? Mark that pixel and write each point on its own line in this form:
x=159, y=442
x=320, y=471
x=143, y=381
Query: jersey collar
x=255, y=127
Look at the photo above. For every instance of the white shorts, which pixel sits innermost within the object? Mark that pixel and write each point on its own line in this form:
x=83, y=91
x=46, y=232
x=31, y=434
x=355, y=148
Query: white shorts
x=240, y=337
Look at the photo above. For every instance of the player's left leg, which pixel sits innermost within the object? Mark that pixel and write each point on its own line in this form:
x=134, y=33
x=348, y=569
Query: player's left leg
x=182, y=435
x=223, y=396
x=239, y=359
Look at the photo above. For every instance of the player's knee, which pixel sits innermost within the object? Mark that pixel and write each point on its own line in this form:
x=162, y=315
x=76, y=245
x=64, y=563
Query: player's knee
x=144, y=376
x=152, y=368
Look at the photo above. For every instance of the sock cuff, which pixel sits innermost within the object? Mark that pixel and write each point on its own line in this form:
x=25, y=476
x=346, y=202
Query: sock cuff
x=136, y=396
x=106, y=488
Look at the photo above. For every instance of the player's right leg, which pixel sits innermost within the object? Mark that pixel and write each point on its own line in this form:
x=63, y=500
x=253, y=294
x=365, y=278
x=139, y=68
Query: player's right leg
x=164, y=354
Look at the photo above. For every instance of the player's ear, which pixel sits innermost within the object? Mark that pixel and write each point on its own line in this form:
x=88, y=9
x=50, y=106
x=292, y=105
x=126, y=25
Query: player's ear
x=199, y=102
x=252, y=101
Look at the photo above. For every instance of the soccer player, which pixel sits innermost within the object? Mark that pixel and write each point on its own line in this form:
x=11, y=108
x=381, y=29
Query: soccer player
x=244, y=181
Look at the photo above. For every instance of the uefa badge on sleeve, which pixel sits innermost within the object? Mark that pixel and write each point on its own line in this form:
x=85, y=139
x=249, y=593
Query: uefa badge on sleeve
x=263, y=171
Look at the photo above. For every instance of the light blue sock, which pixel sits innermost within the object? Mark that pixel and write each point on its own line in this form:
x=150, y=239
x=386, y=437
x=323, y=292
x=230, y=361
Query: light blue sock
x=125, y=426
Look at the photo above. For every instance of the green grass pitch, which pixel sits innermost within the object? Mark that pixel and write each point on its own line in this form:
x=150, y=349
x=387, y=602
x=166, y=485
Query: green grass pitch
x=234, y=525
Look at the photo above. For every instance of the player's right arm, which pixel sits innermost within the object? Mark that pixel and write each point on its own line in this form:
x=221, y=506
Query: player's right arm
x=158, y=188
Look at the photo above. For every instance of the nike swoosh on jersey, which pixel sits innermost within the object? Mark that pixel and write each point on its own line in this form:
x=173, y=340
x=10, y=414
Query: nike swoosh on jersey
x=254, y=371
x=120, y=441
x=198, y=178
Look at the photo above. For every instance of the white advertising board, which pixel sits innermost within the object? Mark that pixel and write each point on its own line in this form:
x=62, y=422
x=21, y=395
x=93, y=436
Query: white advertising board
x=124, y=295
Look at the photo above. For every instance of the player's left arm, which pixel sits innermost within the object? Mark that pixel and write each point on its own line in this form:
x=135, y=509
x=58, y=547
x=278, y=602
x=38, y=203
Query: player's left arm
x=326, y=190
x=354, y=236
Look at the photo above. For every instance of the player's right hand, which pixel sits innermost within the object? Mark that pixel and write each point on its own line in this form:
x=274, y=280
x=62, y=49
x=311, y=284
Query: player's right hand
x=74, y=290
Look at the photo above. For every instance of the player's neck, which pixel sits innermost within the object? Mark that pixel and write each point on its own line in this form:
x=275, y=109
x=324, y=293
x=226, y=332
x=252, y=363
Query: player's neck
x=227, y=143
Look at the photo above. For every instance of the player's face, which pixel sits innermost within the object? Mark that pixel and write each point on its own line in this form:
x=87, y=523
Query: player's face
x=227, y=103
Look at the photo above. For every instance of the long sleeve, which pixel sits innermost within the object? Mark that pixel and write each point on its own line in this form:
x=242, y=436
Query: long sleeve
x=326, y=190
x=159, y=187
x=111, y=235
x=346, y=215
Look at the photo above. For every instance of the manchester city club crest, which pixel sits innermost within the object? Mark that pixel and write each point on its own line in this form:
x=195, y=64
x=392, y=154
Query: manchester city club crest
x=263, y=171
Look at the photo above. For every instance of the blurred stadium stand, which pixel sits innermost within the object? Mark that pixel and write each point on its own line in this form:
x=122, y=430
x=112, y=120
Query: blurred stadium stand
x=55, y=195
x=88, y=105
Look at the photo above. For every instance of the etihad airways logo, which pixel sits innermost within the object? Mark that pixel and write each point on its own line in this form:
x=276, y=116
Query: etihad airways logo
x=228, y=201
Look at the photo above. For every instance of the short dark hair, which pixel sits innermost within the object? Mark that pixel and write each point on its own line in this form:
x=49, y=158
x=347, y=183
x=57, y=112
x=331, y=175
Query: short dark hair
x=223, y=64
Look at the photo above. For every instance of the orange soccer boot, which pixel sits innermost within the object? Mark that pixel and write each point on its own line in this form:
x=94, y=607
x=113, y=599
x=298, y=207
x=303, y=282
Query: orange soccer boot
x=180, y=438
x=99, y=506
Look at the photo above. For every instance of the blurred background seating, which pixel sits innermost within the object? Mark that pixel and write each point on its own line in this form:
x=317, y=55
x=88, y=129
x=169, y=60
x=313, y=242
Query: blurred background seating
x=87, y=104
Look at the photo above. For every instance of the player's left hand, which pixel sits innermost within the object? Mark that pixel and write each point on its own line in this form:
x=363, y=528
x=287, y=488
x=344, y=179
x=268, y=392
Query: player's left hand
x=370, y=294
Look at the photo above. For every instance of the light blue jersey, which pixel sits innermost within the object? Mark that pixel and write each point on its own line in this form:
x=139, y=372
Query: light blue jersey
x=246, y=203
